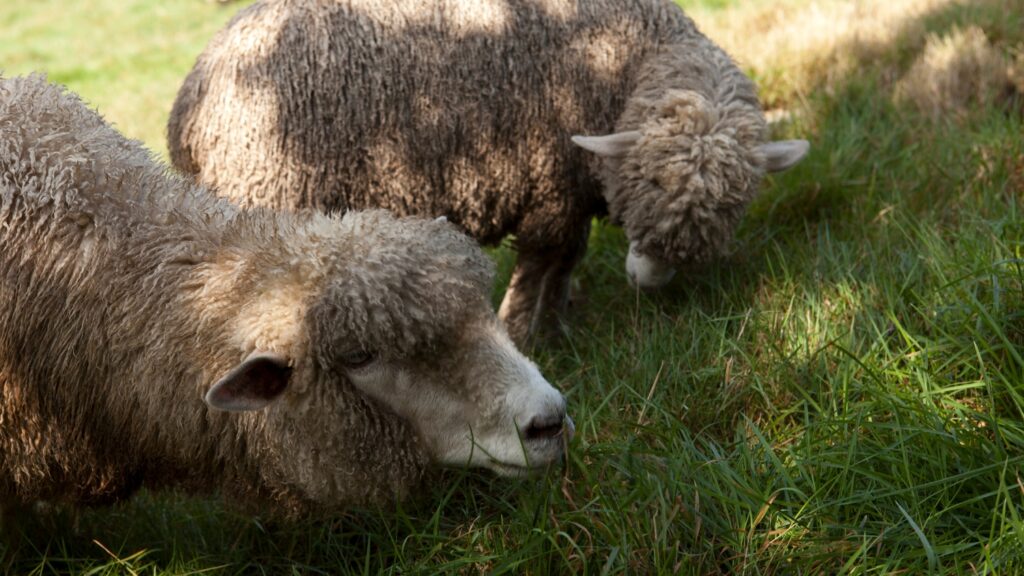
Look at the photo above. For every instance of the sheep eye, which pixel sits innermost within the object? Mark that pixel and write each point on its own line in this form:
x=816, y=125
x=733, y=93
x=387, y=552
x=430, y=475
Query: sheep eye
x=357, y=359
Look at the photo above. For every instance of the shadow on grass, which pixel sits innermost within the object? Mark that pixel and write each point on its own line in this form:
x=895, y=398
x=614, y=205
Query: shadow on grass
x=168, y=532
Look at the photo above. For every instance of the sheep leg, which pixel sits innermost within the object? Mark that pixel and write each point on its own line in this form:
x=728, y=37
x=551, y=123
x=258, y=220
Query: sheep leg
x=522, y=298
x=537, y=298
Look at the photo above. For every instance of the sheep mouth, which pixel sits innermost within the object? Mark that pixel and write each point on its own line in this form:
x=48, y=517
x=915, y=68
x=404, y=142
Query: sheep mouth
x=550, y=449
x=518, y=470
x=551, y=455
x=647, y=272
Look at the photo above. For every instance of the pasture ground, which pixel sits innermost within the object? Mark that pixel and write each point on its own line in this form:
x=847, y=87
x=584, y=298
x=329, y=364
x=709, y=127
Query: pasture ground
x=845, y=394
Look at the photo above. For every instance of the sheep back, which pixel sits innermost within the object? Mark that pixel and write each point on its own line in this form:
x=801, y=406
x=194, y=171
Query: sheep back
x=461, y=108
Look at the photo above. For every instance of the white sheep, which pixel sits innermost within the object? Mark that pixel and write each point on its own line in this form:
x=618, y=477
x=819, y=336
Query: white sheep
x=465, y=108
x=338, y=356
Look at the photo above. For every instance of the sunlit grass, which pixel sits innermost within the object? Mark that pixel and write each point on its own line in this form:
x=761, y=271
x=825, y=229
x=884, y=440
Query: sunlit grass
x=127, y=58
x=796, y=47
x=842, y=395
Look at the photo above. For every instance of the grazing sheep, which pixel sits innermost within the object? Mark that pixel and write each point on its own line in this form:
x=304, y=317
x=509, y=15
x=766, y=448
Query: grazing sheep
x=465, y=108
x=356, y=349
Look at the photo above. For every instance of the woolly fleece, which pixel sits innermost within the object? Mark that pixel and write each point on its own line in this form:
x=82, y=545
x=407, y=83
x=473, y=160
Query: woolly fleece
x=465, y=108
x=126, y=291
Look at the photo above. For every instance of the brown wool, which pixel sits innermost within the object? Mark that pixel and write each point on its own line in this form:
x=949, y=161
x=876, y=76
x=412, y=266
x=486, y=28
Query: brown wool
x=126, y=291
x=465, y=108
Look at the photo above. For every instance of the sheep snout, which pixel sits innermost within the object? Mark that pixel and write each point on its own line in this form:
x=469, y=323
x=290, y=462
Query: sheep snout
x=538, y=427
x=545, y=426
x=645, y=272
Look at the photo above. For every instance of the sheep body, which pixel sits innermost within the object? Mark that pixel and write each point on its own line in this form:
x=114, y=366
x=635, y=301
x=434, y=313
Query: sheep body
x=465, y=108
x=125, y=291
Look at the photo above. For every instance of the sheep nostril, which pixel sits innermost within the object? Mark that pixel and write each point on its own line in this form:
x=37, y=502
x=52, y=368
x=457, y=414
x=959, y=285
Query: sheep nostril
x=541, y=427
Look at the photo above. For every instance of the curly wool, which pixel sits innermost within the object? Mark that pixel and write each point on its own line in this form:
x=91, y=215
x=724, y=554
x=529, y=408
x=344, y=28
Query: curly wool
x=402, y=105
x=126, y=291
x=683, y=207
x=682, y=189
x=465, y=108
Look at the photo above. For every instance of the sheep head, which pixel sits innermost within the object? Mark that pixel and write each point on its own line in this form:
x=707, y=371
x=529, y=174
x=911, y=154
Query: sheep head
x=680, y=183
x=397, y=359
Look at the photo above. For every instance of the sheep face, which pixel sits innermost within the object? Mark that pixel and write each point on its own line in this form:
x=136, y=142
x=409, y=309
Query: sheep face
x=398, y=352
x=680, y=183
x=423, y=340
x=474, y=401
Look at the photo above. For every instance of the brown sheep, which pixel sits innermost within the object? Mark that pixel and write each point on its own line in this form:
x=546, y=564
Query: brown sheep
x=356, y=350
x=465, y=108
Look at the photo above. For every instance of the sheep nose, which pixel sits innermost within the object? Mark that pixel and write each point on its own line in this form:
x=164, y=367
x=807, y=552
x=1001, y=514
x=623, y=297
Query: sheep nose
x=549, y=425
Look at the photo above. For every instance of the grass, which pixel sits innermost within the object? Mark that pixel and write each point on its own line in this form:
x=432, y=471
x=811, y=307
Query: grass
x=127, y=58
x=843, y=395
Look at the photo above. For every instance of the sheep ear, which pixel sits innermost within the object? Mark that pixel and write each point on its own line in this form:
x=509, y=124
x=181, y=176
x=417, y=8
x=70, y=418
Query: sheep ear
x=611, y=145
x=784, y=154
x=254, y=384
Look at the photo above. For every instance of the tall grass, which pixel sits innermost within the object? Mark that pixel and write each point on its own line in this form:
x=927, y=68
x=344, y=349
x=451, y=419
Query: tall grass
x=842, y=395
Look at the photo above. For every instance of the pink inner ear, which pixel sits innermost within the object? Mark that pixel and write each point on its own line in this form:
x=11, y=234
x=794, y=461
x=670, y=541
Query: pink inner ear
x=254, y=384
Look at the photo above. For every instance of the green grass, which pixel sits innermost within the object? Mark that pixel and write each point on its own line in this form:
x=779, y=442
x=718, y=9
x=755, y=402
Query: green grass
x=127, y=57
x=843, y=395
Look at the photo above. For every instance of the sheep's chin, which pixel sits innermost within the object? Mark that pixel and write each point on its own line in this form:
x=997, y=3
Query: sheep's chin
x=514, y=470
x=645, y=272
x=511, y=456
x=538, y=462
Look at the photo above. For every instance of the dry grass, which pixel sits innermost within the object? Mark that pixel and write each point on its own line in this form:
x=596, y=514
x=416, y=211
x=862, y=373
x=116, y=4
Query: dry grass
x=795, y=48
x=955, y=73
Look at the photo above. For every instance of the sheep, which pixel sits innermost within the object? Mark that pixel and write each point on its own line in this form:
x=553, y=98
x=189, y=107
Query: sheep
x=340, y=358
x=469, y=109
